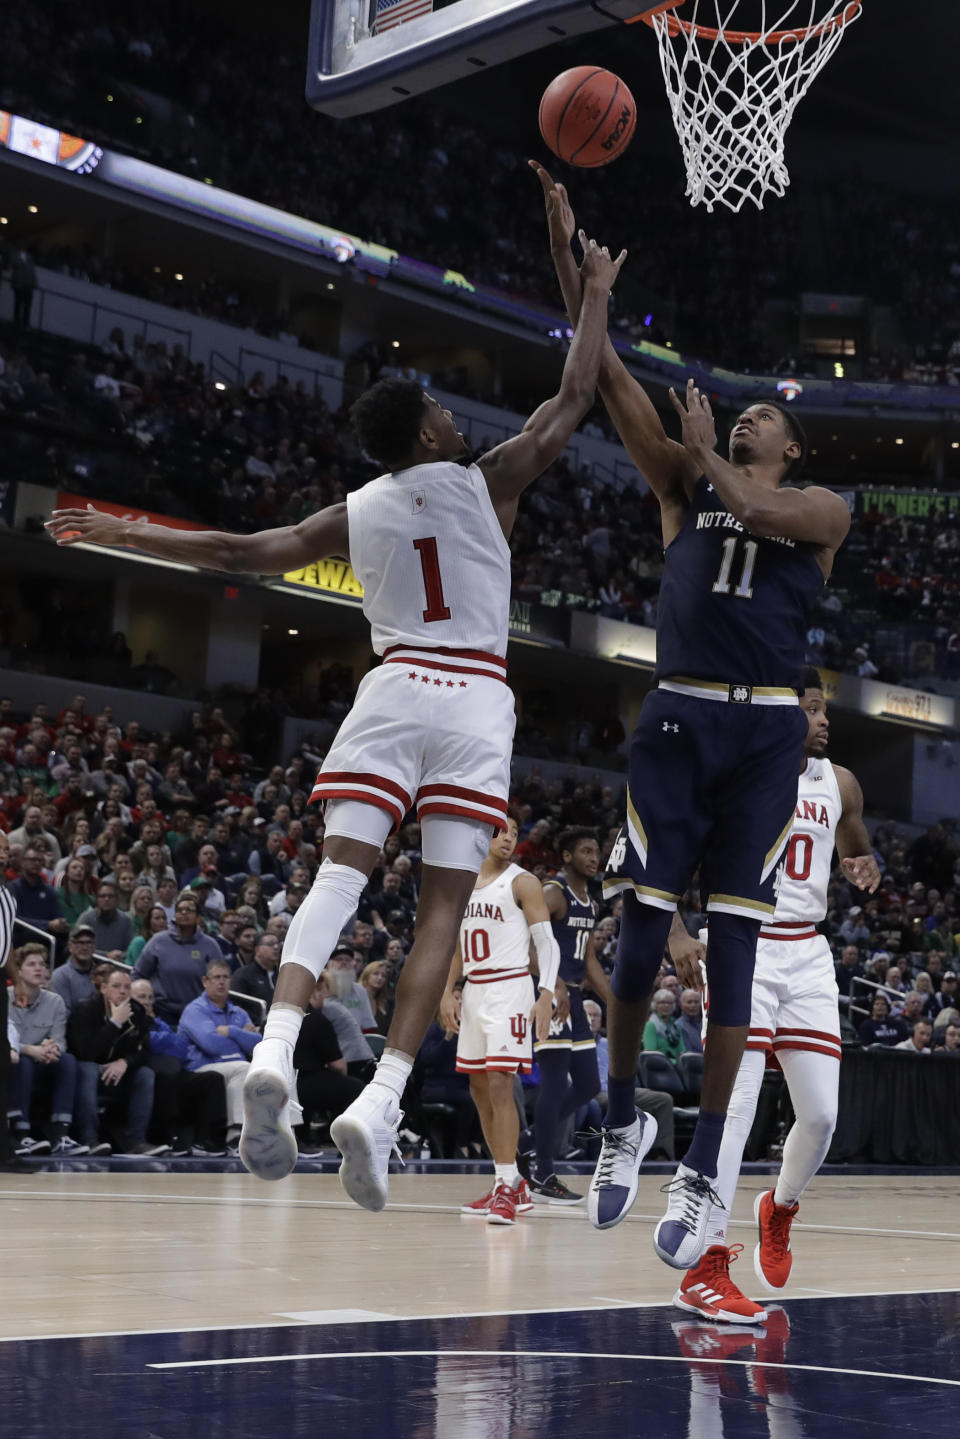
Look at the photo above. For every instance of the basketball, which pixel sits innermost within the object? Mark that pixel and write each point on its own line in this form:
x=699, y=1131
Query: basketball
x=587, y=116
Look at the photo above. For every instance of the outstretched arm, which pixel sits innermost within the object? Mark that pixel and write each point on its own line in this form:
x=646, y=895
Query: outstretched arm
x=857, y=859
x=814, y=515
x=512, y=466
x=665, y=465
x=268, y=552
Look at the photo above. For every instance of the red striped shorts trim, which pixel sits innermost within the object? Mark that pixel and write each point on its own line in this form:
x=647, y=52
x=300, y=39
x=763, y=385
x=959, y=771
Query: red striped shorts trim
x=771, y=932
x=369, y=788
x=503, y=1063
x=453, y=799
x=465, y=662
x=491, y=977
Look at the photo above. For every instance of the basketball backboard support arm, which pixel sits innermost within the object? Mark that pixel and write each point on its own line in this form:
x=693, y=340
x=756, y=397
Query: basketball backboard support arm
x=351, y=70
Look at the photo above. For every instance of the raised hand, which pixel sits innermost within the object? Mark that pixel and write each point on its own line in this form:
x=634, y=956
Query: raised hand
x=699, y=430
x=560, y=220
x=597, y=266
x=93, y=526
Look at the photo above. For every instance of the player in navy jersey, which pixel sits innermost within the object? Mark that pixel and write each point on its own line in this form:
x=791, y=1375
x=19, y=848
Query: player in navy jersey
x=716, y=751
x=568, y=1056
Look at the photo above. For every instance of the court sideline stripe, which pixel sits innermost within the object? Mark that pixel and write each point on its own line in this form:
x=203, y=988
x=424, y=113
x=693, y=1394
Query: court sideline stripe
x=341, y=1354
x=345, y=1204
x=606, y=1307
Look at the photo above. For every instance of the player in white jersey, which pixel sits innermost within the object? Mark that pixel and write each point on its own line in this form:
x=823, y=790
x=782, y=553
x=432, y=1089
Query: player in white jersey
x=794, y=1017
x=433, y=726
x=489, y=1003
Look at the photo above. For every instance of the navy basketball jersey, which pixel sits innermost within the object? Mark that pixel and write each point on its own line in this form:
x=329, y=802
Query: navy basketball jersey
x=572, y=933
x=734, y=607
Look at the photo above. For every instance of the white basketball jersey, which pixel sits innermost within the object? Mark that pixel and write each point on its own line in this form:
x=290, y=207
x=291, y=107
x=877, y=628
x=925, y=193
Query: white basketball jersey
x=808, y=858
x=427, y=547
x=494, y=934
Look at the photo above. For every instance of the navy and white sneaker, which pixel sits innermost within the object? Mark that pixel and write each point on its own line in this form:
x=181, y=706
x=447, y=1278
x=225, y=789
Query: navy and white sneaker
x=613, y=1187
x=27, y=1146
x=67, y=1148
x=681, y=1236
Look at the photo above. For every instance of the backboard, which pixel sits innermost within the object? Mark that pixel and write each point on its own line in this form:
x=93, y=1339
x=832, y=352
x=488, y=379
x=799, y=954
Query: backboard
x=366, y=54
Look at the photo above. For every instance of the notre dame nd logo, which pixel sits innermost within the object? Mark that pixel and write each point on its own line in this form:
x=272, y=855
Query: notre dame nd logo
x=518, y=1027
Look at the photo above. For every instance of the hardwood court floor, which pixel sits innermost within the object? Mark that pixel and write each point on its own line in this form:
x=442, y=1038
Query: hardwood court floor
x=89, y=1253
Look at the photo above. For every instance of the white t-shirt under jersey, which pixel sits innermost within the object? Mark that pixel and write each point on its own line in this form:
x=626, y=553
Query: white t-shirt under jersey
x=427, y=547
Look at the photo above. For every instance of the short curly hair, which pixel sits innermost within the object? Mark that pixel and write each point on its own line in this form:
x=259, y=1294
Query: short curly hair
x=386, y=421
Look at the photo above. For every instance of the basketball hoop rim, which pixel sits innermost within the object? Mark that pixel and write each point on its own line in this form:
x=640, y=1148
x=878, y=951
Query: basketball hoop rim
x=676, y=26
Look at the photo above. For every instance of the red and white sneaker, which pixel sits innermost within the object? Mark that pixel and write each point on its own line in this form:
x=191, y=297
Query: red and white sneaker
x=502, y=1209
x=479, y=1206
x=522, y=1198
x=772, y=1259
x=708, y=1290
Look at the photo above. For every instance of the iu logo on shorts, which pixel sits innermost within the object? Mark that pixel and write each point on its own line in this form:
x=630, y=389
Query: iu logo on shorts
x=518, y=1027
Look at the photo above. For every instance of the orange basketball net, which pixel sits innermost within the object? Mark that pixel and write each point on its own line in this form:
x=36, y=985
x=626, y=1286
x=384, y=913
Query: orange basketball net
x=733, y=92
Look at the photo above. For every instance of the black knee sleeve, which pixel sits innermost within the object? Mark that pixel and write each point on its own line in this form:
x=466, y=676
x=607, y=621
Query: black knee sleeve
x=731, y=956
x=643, y=938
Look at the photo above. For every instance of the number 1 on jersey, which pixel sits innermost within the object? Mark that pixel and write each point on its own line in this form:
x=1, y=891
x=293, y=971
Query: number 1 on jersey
x=432, y=582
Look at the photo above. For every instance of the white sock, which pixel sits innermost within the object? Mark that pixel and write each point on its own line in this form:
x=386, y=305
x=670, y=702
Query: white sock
x=319, y=922
x=736, y=1132
x=393, y=1071
x=506, y=1174
x=813, y=1081
x=282, y=1027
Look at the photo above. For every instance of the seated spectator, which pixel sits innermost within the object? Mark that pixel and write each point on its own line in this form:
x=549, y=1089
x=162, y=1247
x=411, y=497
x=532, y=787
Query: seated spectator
x=882, y=1027
x=690, y=1022
x=289, y=899
x=853, y=930
x=167, y=895
x=226, y=936
x=654, y=1101
x=37, y=902
x=220, y=1039
x=32, y=830
x=189, y=1109
x=175, y=961
x=324, y=1089
x=73, y=981
x=353, y=1046
x=661, y=1031
x=245, y=941
x=375, y=979
x=443, y=1085
x=210, y=900
x=74, y=893
x=45, y=1067
x=341, y=972
x=110, y=1035
x=919, y=1040
x=251, y=897
x=951, y=1039
x=259, y=977
x=848, y=970
x=112, y=930
x=923, y=985
x=154, y=921
x=270, y=859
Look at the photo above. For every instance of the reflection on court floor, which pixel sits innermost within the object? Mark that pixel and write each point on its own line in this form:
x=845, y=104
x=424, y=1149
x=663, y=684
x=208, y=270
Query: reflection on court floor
x=874, y=1365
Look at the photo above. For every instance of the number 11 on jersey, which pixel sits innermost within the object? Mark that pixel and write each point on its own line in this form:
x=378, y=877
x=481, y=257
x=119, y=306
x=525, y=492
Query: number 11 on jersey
x=437, y=608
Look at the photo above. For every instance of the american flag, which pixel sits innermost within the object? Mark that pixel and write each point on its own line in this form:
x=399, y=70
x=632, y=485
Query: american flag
x=390, y=13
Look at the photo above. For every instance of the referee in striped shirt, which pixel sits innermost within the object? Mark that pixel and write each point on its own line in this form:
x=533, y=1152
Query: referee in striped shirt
x=8, y=912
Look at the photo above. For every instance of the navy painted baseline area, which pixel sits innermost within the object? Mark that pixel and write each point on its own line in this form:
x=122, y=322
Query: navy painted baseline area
x=873, y=1365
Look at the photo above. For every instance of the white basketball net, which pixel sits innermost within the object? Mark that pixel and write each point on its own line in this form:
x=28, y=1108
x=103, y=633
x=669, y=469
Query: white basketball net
x=733, y=95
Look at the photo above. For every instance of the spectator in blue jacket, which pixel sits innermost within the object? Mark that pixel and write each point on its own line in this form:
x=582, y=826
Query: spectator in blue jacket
x=37, y=902
x=220, y=1039
x=175, y=962
x=189, y=1109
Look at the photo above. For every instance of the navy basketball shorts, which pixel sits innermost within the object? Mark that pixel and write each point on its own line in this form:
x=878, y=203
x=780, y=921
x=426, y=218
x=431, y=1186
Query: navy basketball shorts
x=712, y=787
x=574, y=1033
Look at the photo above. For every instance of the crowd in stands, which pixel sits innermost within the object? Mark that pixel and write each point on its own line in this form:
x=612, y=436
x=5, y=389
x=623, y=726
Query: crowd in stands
x=136, y=422
x=160, y=873
x=199, y=92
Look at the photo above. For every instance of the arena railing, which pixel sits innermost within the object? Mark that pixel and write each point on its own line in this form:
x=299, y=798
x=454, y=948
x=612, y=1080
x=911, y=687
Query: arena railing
x=35, y=933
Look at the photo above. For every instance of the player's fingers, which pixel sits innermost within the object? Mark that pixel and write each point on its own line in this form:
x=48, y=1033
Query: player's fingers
x=541, y=175
x=675, y=401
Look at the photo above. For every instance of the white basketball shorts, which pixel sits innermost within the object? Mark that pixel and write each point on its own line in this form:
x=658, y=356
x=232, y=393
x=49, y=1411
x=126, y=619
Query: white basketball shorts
x=431, y=730
x=794, y=1000
x=495, y=1026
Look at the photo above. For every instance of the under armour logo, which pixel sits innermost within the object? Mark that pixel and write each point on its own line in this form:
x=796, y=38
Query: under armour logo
x=668, y=727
